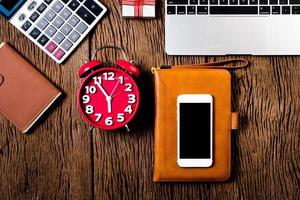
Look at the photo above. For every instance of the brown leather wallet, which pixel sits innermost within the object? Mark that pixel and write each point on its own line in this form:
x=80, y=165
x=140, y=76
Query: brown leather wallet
x=25, y=94
x=171, y=82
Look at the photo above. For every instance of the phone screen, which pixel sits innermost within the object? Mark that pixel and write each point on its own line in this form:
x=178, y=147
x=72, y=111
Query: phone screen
x=9, y=7
x=194, y=130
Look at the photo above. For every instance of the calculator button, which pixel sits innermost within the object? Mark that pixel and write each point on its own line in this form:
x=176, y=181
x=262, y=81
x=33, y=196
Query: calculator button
x=73, y=4
x=65, y=13
x=32, y=5
x=66, y=29
x=26, y=26
x=50, y=31
x=93, y=6
x=48, y=1
x=35, y=33
x=65, y=1
x=85, y=15
x=51, y=47
x=59, y=54
x=66, y=45
x=58, y=38
x=57, y=6
x=22, y=17
x=43, y=40
x=81, y=28
x=34, y=16
x=41, y=8
x=50, y=15
x=73, y=21
x=42, y=24
x=58, y=22
x=74, y=36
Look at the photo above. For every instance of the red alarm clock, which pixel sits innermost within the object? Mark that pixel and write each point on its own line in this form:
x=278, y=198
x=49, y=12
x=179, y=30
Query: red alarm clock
x=108, y=97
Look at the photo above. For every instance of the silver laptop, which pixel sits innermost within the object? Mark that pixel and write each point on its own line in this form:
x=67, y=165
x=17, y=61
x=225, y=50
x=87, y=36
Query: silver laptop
x=224, y=27
x=56, y=26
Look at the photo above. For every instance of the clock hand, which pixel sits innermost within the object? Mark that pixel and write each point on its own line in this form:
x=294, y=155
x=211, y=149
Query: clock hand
x=108, y=99
x=117, y=94
x=102, y=89
x=114, y=88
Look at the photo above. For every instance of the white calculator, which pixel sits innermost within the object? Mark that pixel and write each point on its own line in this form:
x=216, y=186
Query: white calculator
x=56, y=26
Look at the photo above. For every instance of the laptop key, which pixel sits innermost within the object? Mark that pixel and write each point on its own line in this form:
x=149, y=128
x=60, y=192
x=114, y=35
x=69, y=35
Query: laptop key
x=243, y=2
x=233, y=10
x=213, y=2
x=35, y=33
x=26, y=25
x=296, y=10
x=264, y=10
x=171, y=10
x=263, y=2
x=283, y=2
x=85, y=15
x=43, y=40
x=93, y=7
x=181, y=10
x=275, y=10
x=294, y=2
x=286, y=10
x=179, y=2
x=203, y=2
x=191, y=10
x=253, y=2
x=223, y=2
x=233, y=2
x=202, y=10
x=273, y=2
x=193, y=2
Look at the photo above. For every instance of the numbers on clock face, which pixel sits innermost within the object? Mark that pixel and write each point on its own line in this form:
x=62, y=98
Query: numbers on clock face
x=109, y=98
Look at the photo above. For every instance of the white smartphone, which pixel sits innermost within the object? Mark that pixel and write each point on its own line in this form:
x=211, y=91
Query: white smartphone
x=195, y=130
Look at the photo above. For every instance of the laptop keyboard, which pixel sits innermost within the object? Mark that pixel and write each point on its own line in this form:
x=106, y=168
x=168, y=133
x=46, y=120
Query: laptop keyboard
x=58, y=25
x=233, y=7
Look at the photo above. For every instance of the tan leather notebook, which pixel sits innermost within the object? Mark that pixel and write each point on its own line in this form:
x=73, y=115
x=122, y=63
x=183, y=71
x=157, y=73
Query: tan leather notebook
x=169, y=84
x=25, y=94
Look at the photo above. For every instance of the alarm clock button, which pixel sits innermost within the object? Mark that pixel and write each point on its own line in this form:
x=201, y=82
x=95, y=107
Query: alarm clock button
x=131, y=68
x=87, y=67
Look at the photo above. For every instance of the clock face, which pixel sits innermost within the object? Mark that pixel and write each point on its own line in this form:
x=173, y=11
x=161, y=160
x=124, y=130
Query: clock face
x=108, y=98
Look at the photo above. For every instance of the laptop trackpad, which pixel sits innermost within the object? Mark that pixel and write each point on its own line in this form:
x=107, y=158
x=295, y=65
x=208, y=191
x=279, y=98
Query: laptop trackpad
x=238, y=35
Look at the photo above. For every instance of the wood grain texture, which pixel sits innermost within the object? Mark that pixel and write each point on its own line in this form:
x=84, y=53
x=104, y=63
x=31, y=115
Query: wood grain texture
x=60, y=160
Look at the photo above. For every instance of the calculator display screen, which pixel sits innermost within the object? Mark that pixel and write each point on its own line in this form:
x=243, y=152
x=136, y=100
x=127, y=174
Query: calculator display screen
x=9, y=7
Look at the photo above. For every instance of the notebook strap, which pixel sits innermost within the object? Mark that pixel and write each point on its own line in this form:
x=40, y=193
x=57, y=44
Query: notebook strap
x=225, y=64
x=1, y=79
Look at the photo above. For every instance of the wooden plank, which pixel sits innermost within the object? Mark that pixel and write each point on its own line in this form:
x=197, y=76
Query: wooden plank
x=53, y=160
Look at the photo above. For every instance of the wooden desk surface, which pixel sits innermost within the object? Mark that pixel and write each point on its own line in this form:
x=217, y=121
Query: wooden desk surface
x=60, y=160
